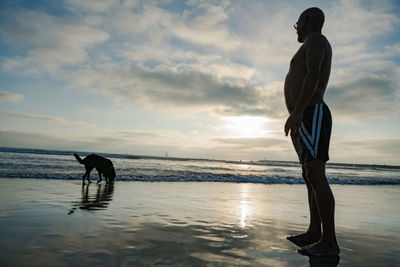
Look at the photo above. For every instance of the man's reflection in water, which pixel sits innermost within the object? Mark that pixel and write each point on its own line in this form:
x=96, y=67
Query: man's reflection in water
x=94, y=201
x=327, y=261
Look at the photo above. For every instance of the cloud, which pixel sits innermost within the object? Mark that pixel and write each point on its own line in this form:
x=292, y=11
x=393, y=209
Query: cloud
x=253, y=148
x=203, y=24
x=10, y=97
x=132, y=142
x=349, y=22
x=202, y=73
x=11, y=138
x=351, y=150
x=168, y=138
x=49, y=42
x=257, y=143
x=149, y=32
x=169, y=88
x=58, y=120
x=93, y=6
x=364, y=96
x=364, y=81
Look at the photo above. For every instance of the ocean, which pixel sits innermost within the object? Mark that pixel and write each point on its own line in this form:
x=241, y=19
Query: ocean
x=186, y=212
x=54, y=164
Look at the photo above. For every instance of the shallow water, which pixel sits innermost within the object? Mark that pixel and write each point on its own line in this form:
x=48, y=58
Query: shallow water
x=58, y=222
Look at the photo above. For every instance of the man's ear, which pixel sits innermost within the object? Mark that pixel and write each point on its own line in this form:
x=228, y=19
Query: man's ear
x=306, y=20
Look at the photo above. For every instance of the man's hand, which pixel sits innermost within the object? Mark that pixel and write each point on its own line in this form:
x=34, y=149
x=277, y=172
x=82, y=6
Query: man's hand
x=293, y=122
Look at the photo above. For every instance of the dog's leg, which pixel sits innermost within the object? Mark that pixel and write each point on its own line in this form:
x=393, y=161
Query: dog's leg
x=88, y=174
x=100, y=177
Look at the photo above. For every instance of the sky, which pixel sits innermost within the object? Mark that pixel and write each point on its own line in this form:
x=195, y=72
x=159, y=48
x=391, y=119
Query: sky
x=198, y=79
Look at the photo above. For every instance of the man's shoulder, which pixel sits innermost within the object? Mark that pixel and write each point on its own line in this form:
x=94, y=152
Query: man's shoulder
x=316, y=39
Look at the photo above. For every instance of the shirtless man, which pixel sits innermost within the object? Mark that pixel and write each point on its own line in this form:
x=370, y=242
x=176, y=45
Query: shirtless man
x=310, y=125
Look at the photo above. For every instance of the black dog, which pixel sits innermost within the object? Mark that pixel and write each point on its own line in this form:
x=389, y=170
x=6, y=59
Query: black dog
x=103, y=166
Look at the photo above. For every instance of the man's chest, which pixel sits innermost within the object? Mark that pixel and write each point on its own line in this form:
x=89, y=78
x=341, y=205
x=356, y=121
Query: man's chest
x=298, y=58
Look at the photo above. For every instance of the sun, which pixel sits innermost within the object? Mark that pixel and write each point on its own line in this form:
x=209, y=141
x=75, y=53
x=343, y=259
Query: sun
x=246, y=126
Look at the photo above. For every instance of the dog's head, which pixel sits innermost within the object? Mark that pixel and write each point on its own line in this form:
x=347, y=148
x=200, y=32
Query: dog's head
x=110, y=173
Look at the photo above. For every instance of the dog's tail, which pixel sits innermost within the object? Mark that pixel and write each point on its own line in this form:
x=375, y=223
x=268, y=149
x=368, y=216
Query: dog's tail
x=79, y=158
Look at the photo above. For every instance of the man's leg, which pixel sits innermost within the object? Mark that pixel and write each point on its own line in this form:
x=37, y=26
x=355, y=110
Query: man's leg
x=313, y=233
x=327, y=245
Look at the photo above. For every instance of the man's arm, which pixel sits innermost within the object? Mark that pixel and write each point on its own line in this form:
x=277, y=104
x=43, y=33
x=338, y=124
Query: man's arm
x=314, y=52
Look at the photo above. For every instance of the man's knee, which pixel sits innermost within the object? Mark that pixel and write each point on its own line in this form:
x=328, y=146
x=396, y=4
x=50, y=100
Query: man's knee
x=315, y=172
x=314, y=165
x=304, y=174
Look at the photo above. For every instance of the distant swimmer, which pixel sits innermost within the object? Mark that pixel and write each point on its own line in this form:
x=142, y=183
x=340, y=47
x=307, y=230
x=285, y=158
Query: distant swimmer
x=310, y=126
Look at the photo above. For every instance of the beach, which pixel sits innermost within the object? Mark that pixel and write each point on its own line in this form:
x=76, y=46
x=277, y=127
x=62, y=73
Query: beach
x=61, y=223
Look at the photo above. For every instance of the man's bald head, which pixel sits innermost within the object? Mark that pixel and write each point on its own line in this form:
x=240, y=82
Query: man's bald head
x=315, y=16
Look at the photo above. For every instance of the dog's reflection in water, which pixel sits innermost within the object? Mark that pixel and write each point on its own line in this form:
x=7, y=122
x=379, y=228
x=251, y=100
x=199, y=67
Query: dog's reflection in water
x=94, y=200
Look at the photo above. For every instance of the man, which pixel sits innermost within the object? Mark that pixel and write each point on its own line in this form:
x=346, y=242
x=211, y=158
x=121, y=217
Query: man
x=310, y=125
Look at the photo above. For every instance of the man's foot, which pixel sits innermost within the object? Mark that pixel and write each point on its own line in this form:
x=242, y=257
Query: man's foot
x=304, y=239
x=321, y=248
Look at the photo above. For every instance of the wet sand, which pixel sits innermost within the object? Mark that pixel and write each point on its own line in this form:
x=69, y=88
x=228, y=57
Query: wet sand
x=61, y=223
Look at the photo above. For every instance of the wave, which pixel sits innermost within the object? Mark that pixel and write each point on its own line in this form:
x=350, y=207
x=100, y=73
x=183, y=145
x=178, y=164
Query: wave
x=52, y=164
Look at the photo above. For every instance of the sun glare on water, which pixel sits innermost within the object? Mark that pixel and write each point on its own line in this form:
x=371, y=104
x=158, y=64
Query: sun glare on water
x=246, y=126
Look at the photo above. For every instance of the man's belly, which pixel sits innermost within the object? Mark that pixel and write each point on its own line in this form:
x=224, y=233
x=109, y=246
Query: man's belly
x=292, y=88
x=291, y=96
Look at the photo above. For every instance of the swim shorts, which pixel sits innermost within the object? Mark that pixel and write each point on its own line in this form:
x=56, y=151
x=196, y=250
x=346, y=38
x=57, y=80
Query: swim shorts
x=311, y=140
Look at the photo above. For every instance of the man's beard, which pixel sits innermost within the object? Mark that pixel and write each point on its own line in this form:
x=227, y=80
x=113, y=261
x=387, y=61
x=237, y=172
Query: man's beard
x=299, y=38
